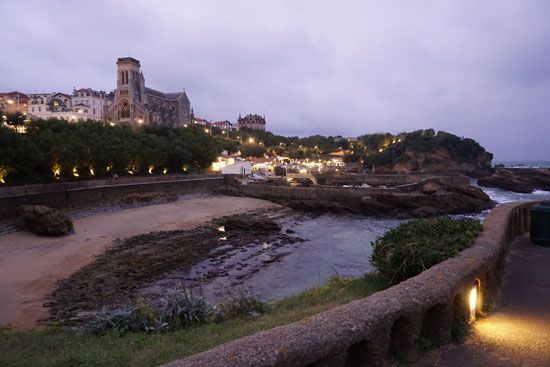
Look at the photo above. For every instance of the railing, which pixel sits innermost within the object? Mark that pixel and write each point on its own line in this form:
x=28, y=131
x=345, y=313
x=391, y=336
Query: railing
x=388, y=324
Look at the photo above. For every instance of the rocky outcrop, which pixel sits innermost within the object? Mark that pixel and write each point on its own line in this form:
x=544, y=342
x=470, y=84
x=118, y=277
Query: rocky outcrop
x=246, y=223
x=156, y=197
x=441, y=160
x=320, y=206
x=523, y=180
x=44, y=220
x=432, y=200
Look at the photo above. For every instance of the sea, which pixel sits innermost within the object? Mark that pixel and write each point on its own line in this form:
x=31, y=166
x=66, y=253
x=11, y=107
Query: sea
x=524, y=164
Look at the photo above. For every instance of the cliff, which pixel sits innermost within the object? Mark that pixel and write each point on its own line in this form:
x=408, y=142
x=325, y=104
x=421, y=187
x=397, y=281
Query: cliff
x=426, y=151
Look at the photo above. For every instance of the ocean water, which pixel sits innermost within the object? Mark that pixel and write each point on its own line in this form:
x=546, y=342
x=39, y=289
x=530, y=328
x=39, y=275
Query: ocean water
x=524, y=164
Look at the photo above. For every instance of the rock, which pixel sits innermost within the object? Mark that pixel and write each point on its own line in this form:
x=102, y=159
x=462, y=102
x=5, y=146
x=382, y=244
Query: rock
x=372, y=206
x=430, y=188
x=524, y=180
x=321, y=206
x=243, y=223
x=424, y=212
x=471, y=191
x=44, y=220
x=446, y=200
x=158, y=197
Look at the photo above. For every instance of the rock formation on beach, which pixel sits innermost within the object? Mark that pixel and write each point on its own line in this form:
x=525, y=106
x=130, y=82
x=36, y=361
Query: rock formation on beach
x=523, y=180
x=44, y=220
x=431, y=200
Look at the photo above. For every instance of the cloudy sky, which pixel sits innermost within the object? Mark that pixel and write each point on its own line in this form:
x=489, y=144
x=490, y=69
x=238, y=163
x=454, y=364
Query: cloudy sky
x=475, y=68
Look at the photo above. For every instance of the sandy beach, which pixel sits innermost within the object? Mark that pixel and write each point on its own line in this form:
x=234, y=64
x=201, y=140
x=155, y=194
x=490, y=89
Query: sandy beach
x=30, y=265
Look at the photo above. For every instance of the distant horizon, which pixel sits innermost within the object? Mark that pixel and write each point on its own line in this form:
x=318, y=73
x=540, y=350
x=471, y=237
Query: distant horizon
x=473, y=69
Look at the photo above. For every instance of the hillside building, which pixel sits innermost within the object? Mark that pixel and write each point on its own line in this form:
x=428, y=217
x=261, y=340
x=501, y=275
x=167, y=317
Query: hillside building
x=83, y=104
x=11, y=102
x=135, y=104
x=250, y=121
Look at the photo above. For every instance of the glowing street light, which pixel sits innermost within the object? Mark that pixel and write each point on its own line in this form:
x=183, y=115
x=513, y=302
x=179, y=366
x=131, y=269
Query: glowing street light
x=251, y=140
x=473, y=303
x=10, y=101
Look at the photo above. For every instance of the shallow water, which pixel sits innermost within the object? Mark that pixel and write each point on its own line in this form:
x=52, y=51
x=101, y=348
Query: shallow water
x=335, y=245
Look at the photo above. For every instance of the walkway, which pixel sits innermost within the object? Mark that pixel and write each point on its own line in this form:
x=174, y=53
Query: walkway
x=517, y=333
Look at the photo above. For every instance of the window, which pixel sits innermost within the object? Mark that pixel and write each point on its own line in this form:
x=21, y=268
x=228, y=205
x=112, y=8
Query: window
x=124, y=110
x=33, y=109
x=94, y=111
x=39, y=109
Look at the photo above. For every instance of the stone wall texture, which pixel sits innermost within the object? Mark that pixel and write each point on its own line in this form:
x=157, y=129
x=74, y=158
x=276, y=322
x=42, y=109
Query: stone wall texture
x=73, y=194
x=332, y=193
x=386, y=325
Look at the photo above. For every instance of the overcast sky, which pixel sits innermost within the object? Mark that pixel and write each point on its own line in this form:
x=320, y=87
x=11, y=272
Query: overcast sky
x=474, y=68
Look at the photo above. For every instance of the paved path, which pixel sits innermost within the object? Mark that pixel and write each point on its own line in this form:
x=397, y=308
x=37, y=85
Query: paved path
x=517, y=333
x=30, y=265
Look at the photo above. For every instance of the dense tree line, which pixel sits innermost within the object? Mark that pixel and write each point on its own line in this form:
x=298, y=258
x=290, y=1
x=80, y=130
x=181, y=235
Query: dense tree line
x=55, y=149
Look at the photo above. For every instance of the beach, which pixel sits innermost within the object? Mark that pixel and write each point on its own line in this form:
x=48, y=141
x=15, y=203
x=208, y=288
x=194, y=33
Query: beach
x=30, y=265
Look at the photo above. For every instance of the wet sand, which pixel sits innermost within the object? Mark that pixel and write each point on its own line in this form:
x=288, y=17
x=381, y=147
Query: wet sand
x=31, y=265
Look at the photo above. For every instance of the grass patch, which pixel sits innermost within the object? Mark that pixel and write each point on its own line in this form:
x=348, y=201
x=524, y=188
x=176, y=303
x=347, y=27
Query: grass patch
x=415, y=246
x=64, y=347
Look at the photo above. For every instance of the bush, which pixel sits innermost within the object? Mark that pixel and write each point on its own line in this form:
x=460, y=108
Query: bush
x=245, y=305
x=176, y=309
x=415, y=246
x=180, y=308
x=123, y=319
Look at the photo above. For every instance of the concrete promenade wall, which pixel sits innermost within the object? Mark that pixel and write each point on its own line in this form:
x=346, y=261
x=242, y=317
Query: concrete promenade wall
x=335, y=193
x=395, y=180
x=70, y=194
x=390, y=323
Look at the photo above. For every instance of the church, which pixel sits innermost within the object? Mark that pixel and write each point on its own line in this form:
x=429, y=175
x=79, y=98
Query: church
x=135, y=104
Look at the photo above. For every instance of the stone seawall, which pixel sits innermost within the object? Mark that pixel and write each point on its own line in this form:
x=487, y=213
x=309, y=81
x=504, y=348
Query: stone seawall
x=71, y=194
x=346, y=195
x=390, y=180
x=388, y=324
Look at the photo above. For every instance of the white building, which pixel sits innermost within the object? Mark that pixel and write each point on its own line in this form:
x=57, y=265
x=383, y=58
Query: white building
x=238, y=168
x=89, y=104
x=84, y=104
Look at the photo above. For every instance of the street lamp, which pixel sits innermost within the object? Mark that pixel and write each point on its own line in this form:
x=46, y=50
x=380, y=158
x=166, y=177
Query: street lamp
x=251, y=140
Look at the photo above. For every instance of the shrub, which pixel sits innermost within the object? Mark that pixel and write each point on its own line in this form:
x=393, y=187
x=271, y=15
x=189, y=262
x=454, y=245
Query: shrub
x=415, y=246
x=245, y=305
x=180, y=308
x=176, y=309
x=123, y=319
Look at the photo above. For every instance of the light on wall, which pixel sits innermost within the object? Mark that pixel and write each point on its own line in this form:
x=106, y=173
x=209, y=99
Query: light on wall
x=473, y=299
